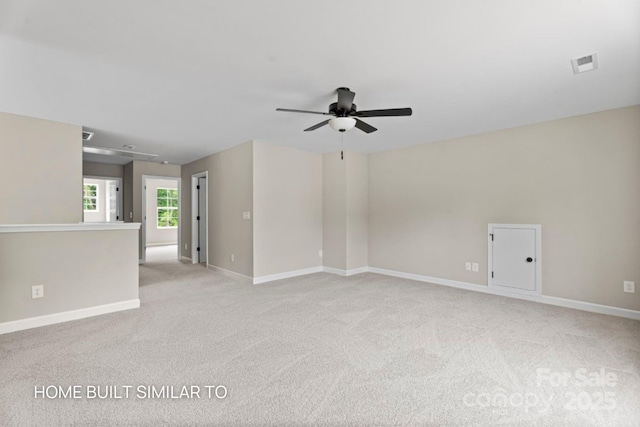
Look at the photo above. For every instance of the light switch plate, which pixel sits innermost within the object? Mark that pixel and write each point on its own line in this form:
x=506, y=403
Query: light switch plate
x=474, y=266
x=246, y=215
x=629, y=287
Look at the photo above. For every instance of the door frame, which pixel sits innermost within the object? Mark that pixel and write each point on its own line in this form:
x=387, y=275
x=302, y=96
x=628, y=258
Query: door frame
x=143, y=228
x=538, y=260
x=194, y=213
x=120, y=191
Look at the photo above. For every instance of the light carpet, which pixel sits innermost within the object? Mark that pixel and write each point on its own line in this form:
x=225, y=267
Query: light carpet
x=324, y=349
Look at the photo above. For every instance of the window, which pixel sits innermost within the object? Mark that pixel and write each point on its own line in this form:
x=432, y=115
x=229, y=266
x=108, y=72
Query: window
x=90, y=198
x=167, y=207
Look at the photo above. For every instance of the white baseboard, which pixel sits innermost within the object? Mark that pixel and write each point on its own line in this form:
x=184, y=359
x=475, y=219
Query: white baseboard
x=229, y=273
x=345, y=273
x=544, y=299
x=286, y=275
x=358, y=270
x=153, y=245
x=334, y=271
x=185, y=258
x=429, y=279
x=586, y=306
x=66, y=316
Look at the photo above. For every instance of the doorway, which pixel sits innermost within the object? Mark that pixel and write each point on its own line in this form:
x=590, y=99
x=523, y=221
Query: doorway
x=160, y=217
x=101, y=199
x=199, y=219
x=515, y=257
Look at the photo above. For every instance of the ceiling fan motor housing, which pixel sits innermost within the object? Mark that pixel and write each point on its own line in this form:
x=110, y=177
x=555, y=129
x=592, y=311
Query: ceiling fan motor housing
x=333, y=109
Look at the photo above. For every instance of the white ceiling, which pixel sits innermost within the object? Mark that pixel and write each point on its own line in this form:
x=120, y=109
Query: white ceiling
x=185, y=79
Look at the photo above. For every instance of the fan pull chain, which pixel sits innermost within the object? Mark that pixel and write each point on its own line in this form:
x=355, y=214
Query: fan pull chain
x=341, y=145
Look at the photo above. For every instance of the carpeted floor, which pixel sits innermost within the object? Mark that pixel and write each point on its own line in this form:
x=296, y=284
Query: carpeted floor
x=156, y=254
x=324, y=349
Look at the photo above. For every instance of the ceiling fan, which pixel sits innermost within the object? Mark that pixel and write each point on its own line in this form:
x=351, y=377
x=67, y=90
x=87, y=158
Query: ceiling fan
x=345, y=114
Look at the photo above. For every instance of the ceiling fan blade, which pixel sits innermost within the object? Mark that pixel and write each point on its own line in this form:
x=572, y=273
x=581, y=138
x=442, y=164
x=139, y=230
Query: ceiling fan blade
x=365, y=127
x=345, y=99
x=319, y=125
x=301, y=111
x=389, y=112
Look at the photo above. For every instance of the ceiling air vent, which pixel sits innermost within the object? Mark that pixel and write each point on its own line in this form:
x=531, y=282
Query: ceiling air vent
x=86, y=136
x=585, y=63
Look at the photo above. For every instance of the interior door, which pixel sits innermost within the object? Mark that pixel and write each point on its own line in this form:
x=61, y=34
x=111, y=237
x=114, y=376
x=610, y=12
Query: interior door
x=112, y=201
x=514, y=258
x=202, y=219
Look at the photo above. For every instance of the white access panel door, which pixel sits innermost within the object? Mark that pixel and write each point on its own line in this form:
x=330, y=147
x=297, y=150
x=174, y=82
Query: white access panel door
x=514, y=257
x=202, y=222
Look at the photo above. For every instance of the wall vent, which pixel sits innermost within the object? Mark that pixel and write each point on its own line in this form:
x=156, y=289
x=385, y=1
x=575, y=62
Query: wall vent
x=585, y=63
x=86, y=136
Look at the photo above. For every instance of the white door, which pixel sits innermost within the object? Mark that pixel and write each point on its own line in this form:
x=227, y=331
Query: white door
x=108, y=198
x=202, y=219
x=112, y=201
x=514, y=257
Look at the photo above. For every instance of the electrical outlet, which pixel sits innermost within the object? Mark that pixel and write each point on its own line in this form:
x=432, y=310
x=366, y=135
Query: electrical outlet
x=320, y=253
x=233, y=258
x=37, y=291
x=467, y=266
x=474, y=267
x=629, y=287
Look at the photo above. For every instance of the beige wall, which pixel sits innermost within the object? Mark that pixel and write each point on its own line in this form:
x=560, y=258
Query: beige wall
x=73, y=277
x=357, y=175
x=43, y=162
x=287, y=209
x=158, y=236
x=102, y=169
x=345, y=210
x=334, y=211
x=579, y=178
x=229, y=192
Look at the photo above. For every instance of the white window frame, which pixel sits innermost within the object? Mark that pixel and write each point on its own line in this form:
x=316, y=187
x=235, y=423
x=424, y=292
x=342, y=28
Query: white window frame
x=166, y=207
x=97, y=198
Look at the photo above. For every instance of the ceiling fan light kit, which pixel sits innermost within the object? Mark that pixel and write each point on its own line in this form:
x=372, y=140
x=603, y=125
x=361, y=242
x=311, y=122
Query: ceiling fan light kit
x=342, y=124
x=345, y=114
